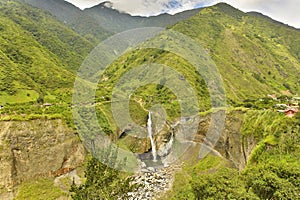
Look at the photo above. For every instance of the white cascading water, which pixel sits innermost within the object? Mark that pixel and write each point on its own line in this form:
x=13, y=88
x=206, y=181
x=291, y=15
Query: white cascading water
x=153, y=147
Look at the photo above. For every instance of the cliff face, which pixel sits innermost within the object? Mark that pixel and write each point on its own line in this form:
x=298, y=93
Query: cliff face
x=35, y=149
x=232, y=144
x=30, y=150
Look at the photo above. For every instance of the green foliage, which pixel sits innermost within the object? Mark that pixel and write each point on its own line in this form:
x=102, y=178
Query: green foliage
x=138, y=114
x=103, y=182
x=274, y=180
x=39, y=190
x=38, y=54
x=262, y=123
x=185, y=180
x=149, y=95
x=272, y=171
x=241, y=46
x=63, y=42
x=271, y=129
x=261, y=103
x=222, y=184
x=105, y=125
x=255, y=56
x=245, y=48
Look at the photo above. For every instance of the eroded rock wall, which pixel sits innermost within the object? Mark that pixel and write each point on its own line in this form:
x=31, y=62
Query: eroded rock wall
x=35, y=149
x=232, y=144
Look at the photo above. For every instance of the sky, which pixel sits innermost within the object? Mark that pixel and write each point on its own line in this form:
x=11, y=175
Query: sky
x=286, y=11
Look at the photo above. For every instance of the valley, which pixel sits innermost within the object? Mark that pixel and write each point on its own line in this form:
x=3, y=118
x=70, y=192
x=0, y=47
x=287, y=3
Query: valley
x=244, y=148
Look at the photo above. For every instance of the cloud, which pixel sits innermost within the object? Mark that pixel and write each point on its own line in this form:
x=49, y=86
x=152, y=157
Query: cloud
x=287, y=11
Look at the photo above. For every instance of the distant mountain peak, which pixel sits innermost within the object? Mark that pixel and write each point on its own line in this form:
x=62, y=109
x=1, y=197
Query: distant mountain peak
x=105, y=4
x=108, y=4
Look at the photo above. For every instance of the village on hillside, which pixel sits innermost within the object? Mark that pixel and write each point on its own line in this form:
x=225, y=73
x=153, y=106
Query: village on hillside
x=290, y=106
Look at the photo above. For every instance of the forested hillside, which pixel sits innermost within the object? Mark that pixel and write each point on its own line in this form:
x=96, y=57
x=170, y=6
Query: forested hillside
x=39, y=54
x=43, y=44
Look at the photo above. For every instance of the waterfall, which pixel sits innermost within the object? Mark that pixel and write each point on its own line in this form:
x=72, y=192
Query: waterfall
x=153, y=147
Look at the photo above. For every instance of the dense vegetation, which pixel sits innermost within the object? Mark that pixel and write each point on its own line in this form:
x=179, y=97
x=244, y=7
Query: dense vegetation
x=251, y=52
x=74, y=18
x=272, y=172
x=103, y=182
x=39, y=55
x=256, y=56
x=39, y=59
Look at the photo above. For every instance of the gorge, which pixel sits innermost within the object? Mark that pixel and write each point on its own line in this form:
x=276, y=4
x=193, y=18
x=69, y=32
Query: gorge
x=41, y=151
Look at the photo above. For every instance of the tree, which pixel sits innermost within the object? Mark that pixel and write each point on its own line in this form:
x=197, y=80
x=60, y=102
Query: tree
x=103, y=182
x=274, y=180
x=40, y=99
x=221, y=184
x=161, y=83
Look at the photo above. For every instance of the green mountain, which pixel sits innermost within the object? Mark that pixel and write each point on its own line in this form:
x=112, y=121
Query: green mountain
x=99, y=21
x=116, y=21
x=74, y=18
x=38, y=53
x=257, y=155
x=255, y=55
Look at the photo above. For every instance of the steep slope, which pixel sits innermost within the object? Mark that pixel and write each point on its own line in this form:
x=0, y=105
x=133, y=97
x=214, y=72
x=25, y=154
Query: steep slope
x=290, y=40
x=36, y=150
x=70, y=47
x=101, y=21
x=73, y=17
x=27, y=65
x=262, y=147
x=38, y=53
x=256, y=56
x=116, y=21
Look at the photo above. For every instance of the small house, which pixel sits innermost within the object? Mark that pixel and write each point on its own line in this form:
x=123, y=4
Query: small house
x=291, y=112
x=281, y=105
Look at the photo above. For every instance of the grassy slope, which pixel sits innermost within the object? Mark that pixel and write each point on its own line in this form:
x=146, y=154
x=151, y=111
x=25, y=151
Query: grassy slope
x=245, y=48
x=64, y=43
x=272, y=163
x=39, y=55
x=73, y=18
x=26, y=64
x=255, y=56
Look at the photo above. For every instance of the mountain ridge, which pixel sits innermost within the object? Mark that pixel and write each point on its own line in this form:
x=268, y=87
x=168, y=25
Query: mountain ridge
x=111, y=20
x=39, y=57
x=255, y=56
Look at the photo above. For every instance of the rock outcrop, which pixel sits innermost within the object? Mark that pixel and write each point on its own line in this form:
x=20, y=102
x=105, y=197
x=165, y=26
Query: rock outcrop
x=36, y=149
x=232, y=144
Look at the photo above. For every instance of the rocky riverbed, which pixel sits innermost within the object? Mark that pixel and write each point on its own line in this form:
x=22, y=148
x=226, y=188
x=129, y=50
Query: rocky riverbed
x=154, y=182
